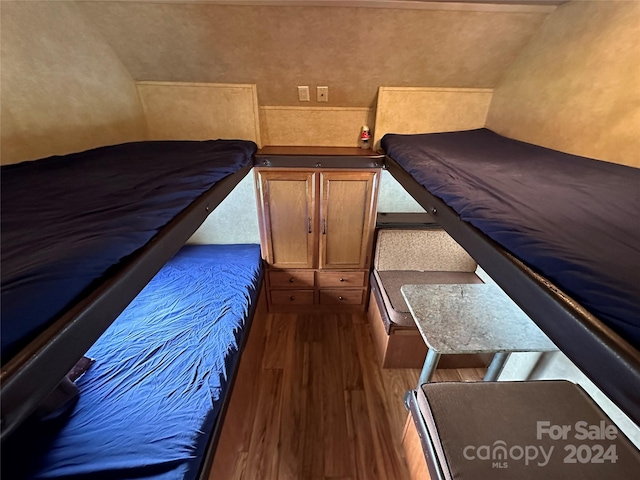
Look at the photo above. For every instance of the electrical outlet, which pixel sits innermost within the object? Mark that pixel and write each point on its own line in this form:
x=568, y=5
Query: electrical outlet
x=303, y=93
x=322, y=94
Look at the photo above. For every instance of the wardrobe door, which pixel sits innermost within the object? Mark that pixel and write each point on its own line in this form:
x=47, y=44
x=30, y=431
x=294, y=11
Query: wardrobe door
x=347, y=218
x=286, y=204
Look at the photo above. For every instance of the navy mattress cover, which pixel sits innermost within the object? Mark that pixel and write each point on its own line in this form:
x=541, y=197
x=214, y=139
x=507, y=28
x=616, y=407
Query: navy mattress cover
x=574, y=220
x=67, y=220
x=148, y=404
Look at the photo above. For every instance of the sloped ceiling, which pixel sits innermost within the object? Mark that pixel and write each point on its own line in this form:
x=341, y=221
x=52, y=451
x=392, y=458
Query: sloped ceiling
x=351, y=50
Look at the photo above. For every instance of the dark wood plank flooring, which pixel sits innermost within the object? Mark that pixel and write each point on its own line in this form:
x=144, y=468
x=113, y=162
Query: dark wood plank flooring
x=322, y=408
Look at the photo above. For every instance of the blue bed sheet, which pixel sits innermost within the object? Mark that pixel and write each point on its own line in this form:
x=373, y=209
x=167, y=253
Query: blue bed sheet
x=574, y=220
x=67, y=221
x=148, y=404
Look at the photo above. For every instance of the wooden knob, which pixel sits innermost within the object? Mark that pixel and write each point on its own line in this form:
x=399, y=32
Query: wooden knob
x=292, y=298
x=291, y=280
x=340, y=298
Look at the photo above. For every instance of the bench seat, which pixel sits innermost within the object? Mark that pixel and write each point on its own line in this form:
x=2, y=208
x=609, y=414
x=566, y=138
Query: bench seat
x=527, y=430
x=409, y=257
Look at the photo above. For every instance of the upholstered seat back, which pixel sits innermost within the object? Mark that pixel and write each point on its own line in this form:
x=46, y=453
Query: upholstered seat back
x=431, y=250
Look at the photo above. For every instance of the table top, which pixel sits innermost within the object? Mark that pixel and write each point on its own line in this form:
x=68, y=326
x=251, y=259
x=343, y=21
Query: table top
x=468, y=318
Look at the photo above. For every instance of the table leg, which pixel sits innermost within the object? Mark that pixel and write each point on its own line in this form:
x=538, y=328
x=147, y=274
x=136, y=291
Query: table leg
x=496, y=366
x=430, y=364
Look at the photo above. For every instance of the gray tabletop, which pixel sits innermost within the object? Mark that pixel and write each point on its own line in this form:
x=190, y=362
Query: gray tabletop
x=471, y=318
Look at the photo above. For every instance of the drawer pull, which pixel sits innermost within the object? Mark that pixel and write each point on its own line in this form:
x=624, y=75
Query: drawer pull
x=292, y=298
x=342, y=279
x=291, y=280
x=340, y=298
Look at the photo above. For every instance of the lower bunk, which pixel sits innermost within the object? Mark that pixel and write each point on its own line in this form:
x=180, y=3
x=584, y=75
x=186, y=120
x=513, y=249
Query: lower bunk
x=152, y=403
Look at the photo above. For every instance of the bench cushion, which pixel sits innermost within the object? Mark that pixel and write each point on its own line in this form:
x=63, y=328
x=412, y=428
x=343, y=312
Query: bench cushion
x=420, y=250
x=461, y=418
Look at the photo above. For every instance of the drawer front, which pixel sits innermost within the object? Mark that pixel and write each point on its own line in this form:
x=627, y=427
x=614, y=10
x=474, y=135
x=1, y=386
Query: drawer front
x=342, y=279
x=341, y=297
x=291, y=279
x=292, y=297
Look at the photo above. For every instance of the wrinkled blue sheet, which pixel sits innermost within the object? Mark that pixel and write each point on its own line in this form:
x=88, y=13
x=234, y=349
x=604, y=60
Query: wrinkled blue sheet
x=148, y=404
x=574, y=220
x=67, y=220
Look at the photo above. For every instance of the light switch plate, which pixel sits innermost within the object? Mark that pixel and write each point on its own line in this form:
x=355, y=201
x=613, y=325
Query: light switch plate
x=303, y=93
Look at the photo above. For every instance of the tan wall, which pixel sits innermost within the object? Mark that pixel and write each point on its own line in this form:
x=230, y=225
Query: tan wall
x=576, y=86
x=200, y=111
x=351, y=50
x=429, y=110
x=318, y=126
x=63, y=89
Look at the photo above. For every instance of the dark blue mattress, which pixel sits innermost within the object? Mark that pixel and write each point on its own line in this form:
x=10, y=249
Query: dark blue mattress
x=67, y=221
x=148, y=404
x=574, y=220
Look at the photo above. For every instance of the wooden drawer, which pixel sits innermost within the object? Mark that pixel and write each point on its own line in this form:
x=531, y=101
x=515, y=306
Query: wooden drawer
x=341, y=297
x=348, y=279
x=291, y=278
x=291, y=297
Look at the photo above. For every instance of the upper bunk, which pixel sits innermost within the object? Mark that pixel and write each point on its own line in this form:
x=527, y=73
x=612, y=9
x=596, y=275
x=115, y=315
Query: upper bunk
x=558, y=232
x=82, y=234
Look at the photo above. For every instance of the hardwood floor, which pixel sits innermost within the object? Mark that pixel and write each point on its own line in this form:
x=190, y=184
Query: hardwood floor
x=321, y=407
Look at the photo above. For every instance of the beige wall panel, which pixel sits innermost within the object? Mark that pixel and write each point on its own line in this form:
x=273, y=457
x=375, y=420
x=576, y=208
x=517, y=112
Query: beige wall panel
x=351, y=50
x=576, y=87
x=200, y=111
x=318, y=126
x=63, y=89
x=427, y=110
x=235, y=220
x=393, y=198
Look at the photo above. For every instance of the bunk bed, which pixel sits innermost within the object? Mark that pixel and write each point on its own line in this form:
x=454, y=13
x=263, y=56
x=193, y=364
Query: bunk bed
x=559, y=233
x=82, y=234
x=152, y=400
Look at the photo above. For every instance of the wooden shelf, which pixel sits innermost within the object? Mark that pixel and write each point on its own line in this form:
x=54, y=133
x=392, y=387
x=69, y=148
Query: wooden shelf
x=321, y=151
x=318, y=157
